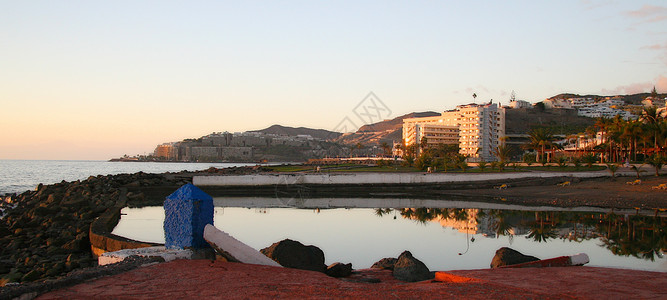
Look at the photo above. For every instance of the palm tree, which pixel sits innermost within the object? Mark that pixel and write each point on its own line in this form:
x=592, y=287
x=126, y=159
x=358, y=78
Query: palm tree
x=358, y=146
x=542, y=230
x=612, y=169
x=503, y=153
x=540, y=139
x=650, y=118
x=385, y=148
x=602, y=125
x=657, y=161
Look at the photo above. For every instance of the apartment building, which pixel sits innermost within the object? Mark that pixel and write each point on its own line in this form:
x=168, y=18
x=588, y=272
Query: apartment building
x=478, y=130
x=436, y=130
x=581, y=102
x=167, y=151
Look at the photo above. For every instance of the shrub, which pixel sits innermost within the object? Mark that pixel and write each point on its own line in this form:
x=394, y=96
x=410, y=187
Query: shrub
x=482, y=165
x=589, y=159
x=561, y=162
x=612, y=168
x=529, y=158
x=657, y=161
x=576, y=162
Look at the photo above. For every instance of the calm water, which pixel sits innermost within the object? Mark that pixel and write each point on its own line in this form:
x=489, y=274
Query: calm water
x=436, y=235
x=17, y=176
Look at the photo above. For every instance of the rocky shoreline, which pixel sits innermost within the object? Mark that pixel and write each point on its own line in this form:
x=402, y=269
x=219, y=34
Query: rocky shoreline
x=45, y=233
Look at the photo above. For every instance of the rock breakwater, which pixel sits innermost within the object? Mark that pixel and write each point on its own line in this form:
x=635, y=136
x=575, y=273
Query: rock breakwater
x=45, y=233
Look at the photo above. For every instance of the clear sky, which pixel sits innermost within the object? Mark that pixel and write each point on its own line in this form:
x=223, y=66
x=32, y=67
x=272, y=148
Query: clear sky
x=99, y=79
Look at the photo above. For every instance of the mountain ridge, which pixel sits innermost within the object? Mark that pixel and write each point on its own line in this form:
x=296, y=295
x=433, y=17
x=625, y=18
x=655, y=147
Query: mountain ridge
x=294, y=131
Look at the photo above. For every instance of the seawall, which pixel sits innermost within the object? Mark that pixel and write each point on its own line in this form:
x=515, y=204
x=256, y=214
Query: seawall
x=378, y=178
x=101, y=238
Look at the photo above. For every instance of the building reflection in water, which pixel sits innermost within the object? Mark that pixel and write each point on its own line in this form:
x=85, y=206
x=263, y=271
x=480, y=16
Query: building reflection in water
x=635, y=235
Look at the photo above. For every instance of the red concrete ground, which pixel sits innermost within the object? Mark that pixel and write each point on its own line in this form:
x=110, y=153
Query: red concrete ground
x=206, y=279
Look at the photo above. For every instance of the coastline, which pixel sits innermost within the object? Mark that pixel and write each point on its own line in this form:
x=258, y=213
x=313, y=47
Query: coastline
x=143, y=188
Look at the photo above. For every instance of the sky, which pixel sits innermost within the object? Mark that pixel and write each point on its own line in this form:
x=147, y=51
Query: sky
x=93, y=80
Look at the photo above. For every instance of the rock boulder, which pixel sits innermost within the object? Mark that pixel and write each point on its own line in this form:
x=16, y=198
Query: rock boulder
x=385, y=263
x=508, y=256
x=293, y=254
x=410, y=269
x=338, y=270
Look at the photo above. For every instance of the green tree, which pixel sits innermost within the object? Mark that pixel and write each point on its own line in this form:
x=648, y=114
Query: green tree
x=541, y=139
x=503, y=152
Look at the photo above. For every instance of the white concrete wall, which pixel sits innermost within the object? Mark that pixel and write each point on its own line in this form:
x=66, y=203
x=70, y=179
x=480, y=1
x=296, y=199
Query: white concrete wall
x=375, y=178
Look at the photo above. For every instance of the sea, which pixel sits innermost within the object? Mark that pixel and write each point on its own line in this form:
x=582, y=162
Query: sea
x=17, y=176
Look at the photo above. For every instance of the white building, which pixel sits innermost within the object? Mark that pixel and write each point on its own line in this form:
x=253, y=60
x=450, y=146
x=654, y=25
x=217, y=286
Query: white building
x=557, y=103
x=581, y=102
x=478, y=129
x=520, y=104
x=612, y=102
x=436, y=130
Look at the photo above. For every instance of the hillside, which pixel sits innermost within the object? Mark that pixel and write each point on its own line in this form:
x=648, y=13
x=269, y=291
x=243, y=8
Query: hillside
x=291, y=131
x=395, y=123
x=386, y=131
x=629, y=99
x=561, y=121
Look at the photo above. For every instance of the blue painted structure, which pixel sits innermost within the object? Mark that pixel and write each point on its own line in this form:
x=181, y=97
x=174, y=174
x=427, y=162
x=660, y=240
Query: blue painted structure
x=186, y=213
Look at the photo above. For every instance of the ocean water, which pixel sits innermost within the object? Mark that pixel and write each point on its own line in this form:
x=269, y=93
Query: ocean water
x=17, y=176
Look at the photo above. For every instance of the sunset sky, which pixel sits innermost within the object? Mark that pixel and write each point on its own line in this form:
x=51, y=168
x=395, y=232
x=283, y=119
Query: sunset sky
x=99, y=79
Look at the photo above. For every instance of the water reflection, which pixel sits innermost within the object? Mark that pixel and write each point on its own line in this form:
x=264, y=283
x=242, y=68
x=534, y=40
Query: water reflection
x=636, y=235
x=362, y=231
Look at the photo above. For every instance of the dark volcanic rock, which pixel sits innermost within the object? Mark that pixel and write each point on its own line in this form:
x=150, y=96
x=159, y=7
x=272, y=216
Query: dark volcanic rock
x=338, y=270
x=385, y=263
x=41, y=228
x=5, y=266
x=293, y=254
x=410, y=269
x=507, y=256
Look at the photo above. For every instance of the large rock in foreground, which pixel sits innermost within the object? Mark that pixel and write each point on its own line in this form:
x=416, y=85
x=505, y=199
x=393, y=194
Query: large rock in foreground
x=293, y=254
x=410, y=269
x=507, y=256
x=385, y=263
x=339, y=269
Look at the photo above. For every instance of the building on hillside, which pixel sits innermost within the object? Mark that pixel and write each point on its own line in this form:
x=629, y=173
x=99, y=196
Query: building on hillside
x=480, y=129
x=167, y=151
x=603, y=111
x=612, y=102
x=581, y=102
x=217, y=153
x=557, y=103
x=520, y=104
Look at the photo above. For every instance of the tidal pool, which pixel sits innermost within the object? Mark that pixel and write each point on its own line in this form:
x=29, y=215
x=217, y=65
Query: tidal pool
x=445, y=235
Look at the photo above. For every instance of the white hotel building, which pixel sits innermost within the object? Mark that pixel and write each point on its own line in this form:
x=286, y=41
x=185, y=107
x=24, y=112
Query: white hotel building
x=477, y=129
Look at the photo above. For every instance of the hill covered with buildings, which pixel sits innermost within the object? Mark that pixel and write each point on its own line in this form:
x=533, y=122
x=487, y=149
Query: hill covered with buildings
x=562, y=115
